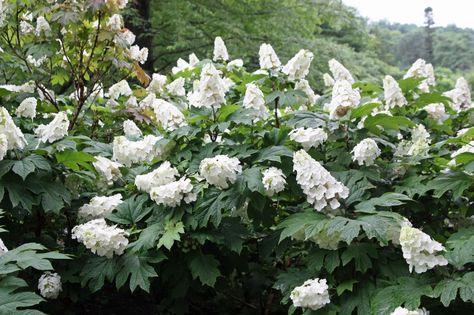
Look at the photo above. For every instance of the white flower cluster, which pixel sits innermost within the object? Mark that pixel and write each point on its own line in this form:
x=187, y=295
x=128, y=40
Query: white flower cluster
x=220, y=170
x=273, y=180
x=328, y=80
x=210, y=90
x=3, y=248
x=100, y=238
x=124, y=38
x=320, y=188
x=115, y=22
x=12, y=137
x=163, y=187
x=255, y=101
x=236, y=63
x=419, y=250
x=157, y=83
x=55, y=130
x=27, y=108
x=297, y=67
x=139, y=55
x=268, y=59
x=421, y=69
x=403, y=311
x=182, y=64
x=129, y=152
x=303, y=85
x=417, y=146
x=131, y=130
x=49, y=285
x=339, y=72
x=168, y=115
x=42, y=26
x=107, y=168
x=343, y=99
x=176, y=87
x=120, y=88
x=220, y=51
x=99, y=207
x=460, y=95
x=313, y=294
x=393, y=93
x=436, y=111
x=365, y=152
x=309, y=137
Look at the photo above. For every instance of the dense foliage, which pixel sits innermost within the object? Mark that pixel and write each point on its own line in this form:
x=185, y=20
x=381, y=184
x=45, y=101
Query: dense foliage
x=221, y=187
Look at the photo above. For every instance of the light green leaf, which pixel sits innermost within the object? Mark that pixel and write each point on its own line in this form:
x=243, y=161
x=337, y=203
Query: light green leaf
x=172, y=231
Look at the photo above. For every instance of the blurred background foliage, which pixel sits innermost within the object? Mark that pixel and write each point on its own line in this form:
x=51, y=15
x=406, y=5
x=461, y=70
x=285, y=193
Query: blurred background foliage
x=174, y=29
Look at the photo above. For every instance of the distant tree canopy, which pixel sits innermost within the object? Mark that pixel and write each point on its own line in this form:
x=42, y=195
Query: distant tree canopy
x=328, y=28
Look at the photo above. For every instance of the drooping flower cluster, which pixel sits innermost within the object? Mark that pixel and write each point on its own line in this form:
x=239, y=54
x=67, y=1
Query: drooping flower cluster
x=49, y=285
x=273, y=180
x=13, y=138
x=268, y=59
x=319, y=186
x=99, y=207
x=211, y=89
x=168, y=115
x=417, y=146
x=100, y=238
x=163, y=187
x=129, y=152
x=343, y=99
x=460, y=95
x=303, y=85
x=419, y=250
x=309, y=137
x=404, y=311
x=420, y=69
x=436, y=111
x=255, y=101
x=55, y=130
x=313, y=294
x=365, y=152
x=220, y=51
x=297, y=67
x=107, y=168
x=339, y=72
x=393, y=93
x=220, y=170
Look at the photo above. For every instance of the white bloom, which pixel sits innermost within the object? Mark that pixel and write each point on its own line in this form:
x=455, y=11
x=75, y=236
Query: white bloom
x=132, y=132
x=365, y=152
x=99, y=207
x=468, y=148
x=236, y=63
x=173, y=193
x=124, y=38
x=339, y=72
x=309, y=137
x=168, y=115
x=297, y=67
x=460, y=95
x=130, y=152
x=220, y=51
x=328, y=80
x=403, y=311
x=417, y=146
x=42, y=26
x=255, y=101
x=193, y=60
x=313, y=294
x=273, y=180
x=343, y=99
x=115, y=22
x=420, y=69
x=14, y=137
x=320, y=188
x=26, y=28
x=107, y=168
x=436, y=112
x=55, y=130
x=28, y=87
x=27, y=108
x=176, y=87
x=36, y=62
x=100, y=238
x=157, y=84
x=181, y=65
x=49, y=285
x=3, y=248
x=3, y=147
x=268, y=58
x=119, y=89
x=131, y=102
x=393, y=93
x=220, y=170
x=419, y=250
x=212, y=88
x=163, y=175
x=139, y=55
x=303, y=85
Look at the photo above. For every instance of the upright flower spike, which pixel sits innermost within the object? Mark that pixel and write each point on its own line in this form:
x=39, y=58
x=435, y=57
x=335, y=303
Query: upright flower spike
x=297, y=67
x=313, y=294
x=365, y=152
x=255, y=100
x=273, y=180
x=303, y=85
x=393, y=93
x=460, y=95
x=436, y=112
x=12, y=134
x=268, y=59
x=339, y=72
x=220, y=50
x=343, y=99
x=420, y=69
x=211, y=88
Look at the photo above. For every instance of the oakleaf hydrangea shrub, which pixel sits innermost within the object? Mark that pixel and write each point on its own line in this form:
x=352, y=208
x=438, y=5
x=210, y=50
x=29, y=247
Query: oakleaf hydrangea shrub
x=220, y=188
